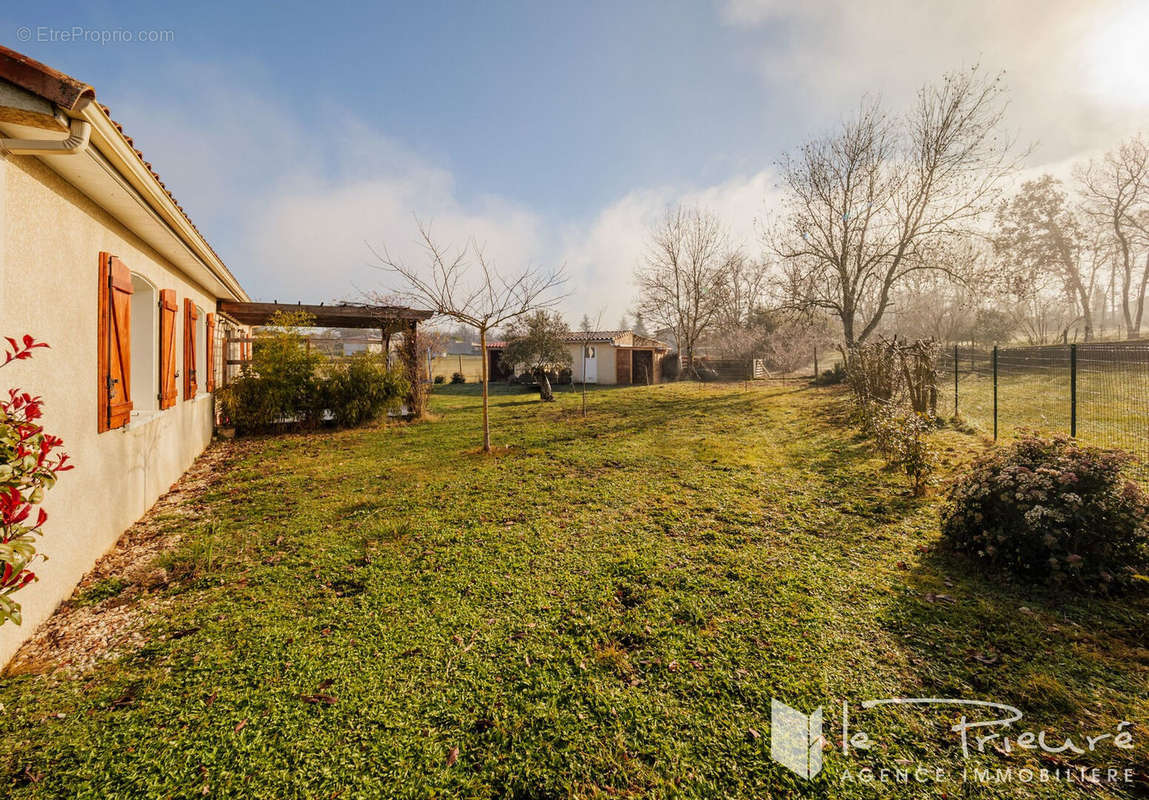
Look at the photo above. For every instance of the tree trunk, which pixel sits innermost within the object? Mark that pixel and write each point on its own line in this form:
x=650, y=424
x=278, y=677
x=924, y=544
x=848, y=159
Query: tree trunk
x=544, y=386
x=486, y=423
x=584, y=347
x=1135, y=330
x=1086, y=312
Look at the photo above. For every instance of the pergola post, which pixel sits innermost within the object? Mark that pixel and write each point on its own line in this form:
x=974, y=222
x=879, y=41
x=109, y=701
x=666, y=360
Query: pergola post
x=417, y=397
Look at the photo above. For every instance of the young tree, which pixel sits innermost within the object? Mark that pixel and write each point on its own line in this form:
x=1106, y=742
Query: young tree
x=1038, y=230
x=484, y=298
x=873, y=203
x=680, y=283
x=587, y=328
x=537, y=341
x=1116, y=191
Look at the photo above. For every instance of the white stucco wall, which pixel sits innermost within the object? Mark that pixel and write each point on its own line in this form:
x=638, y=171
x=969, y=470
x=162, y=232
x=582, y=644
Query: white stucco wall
x=606, y=363
x=50, y=240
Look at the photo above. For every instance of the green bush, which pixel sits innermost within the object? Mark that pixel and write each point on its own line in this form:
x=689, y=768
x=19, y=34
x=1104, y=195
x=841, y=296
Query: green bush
x=831, y=377
x=912, y=449
x=1048, y=509
x=440, y=379
x=903, y=438
x=281, y=385
x=458, y=377
x=363, y=390
x=289, y=384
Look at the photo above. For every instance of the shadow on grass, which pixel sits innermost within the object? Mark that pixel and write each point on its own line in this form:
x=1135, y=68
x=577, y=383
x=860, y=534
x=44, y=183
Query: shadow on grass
x=1057, y=655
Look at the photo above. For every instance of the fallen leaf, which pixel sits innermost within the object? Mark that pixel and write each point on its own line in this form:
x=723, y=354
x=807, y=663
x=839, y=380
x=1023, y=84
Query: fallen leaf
x=452, y=756
x=239, y=726
x=319, y=698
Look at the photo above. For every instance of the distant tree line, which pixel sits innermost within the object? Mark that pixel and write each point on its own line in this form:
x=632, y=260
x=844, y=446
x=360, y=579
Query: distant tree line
x=912, y=224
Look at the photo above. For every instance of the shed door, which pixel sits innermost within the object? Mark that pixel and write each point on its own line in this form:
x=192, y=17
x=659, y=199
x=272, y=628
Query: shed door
x=622, y=366
x=643, y=367
x=590, y=363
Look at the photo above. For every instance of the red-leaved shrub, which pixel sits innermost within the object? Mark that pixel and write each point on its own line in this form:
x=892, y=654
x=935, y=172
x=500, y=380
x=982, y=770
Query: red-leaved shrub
x=29, y=463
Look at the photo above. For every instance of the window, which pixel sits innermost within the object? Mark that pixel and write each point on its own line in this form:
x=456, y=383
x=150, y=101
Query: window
x=113, y=344
x=589, y=351
x=145, y=347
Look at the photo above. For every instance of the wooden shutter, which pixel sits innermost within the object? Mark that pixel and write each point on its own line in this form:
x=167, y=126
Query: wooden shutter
x=190, y=316
x=209, y=353
x=114, y=345
x=168, y=307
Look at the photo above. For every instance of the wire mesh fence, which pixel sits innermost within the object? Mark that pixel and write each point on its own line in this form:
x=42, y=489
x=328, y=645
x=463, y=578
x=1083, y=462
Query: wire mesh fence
x=1096, y=391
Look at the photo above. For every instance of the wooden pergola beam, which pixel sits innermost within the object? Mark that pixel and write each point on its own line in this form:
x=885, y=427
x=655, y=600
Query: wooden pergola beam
x=394, y=318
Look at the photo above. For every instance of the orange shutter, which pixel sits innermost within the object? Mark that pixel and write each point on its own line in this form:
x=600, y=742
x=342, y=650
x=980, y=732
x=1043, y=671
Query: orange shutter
x=190, y=316
x=168, y=307
x=209, y=360
x=114, y=345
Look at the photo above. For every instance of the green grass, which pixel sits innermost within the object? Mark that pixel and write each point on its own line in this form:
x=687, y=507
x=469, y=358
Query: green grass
x=605, y=608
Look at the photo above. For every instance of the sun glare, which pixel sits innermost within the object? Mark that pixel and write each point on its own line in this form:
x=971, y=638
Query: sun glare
x=1116, y=56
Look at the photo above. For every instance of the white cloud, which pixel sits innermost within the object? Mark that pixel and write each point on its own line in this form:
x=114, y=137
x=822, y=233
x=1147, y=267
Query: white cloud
x=603, y=255
x=299, y=204
x=1076, y=72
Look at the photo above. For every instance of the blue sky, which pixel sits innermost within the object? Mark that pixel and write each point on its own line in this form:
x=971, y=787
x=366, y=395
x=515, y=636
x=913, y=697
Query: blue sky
x=296, y=133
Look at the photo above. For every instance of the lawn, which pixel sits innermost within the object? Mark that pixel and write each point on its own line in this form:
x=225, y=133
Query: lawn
x=603, y=608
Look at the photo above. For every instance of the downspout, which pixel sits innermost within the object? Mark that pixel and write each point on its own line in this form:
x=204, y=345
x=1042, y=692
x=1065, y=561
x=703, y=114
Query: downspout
x=76, y=142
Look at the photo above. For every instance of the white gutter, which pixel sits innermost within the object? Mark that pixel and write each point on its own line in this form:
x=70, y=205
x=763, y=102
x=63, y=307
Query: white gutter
x=76, y=142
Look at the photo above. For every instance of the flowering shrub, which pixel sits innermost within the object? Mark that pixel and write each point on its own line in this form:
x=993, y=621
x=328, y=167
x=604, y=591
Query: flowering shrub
x=29, y=464
x=1049, y=509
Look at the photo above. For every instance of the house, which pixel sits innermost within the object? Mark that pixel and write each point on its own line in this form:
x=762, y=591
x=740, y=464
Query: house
x=98, y=260
x=608, y=357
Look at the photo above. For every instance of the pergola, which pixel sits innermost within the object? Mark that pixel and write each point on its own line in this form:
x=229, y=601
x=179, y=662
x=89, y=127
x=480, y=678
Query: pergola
x=388, y=320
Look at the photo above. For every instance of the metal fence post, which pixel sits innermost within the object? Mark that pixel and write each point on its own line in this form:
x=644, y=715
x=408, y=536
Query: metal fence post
x=955, y=381
x=1073, y=390
x=995, y=392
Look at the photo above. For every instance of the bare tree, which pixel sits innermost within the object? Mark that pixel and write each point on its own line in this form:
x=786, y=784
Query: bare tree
x=484, y=298
x=1038, y=230
x=1116, y=191
x=873, y=203
x=680, y=282
x=742, y=290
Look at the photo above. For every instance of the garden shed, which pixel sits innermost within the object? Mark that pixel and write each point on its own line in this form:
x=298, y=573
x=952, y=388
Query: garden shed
x=608, y=357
